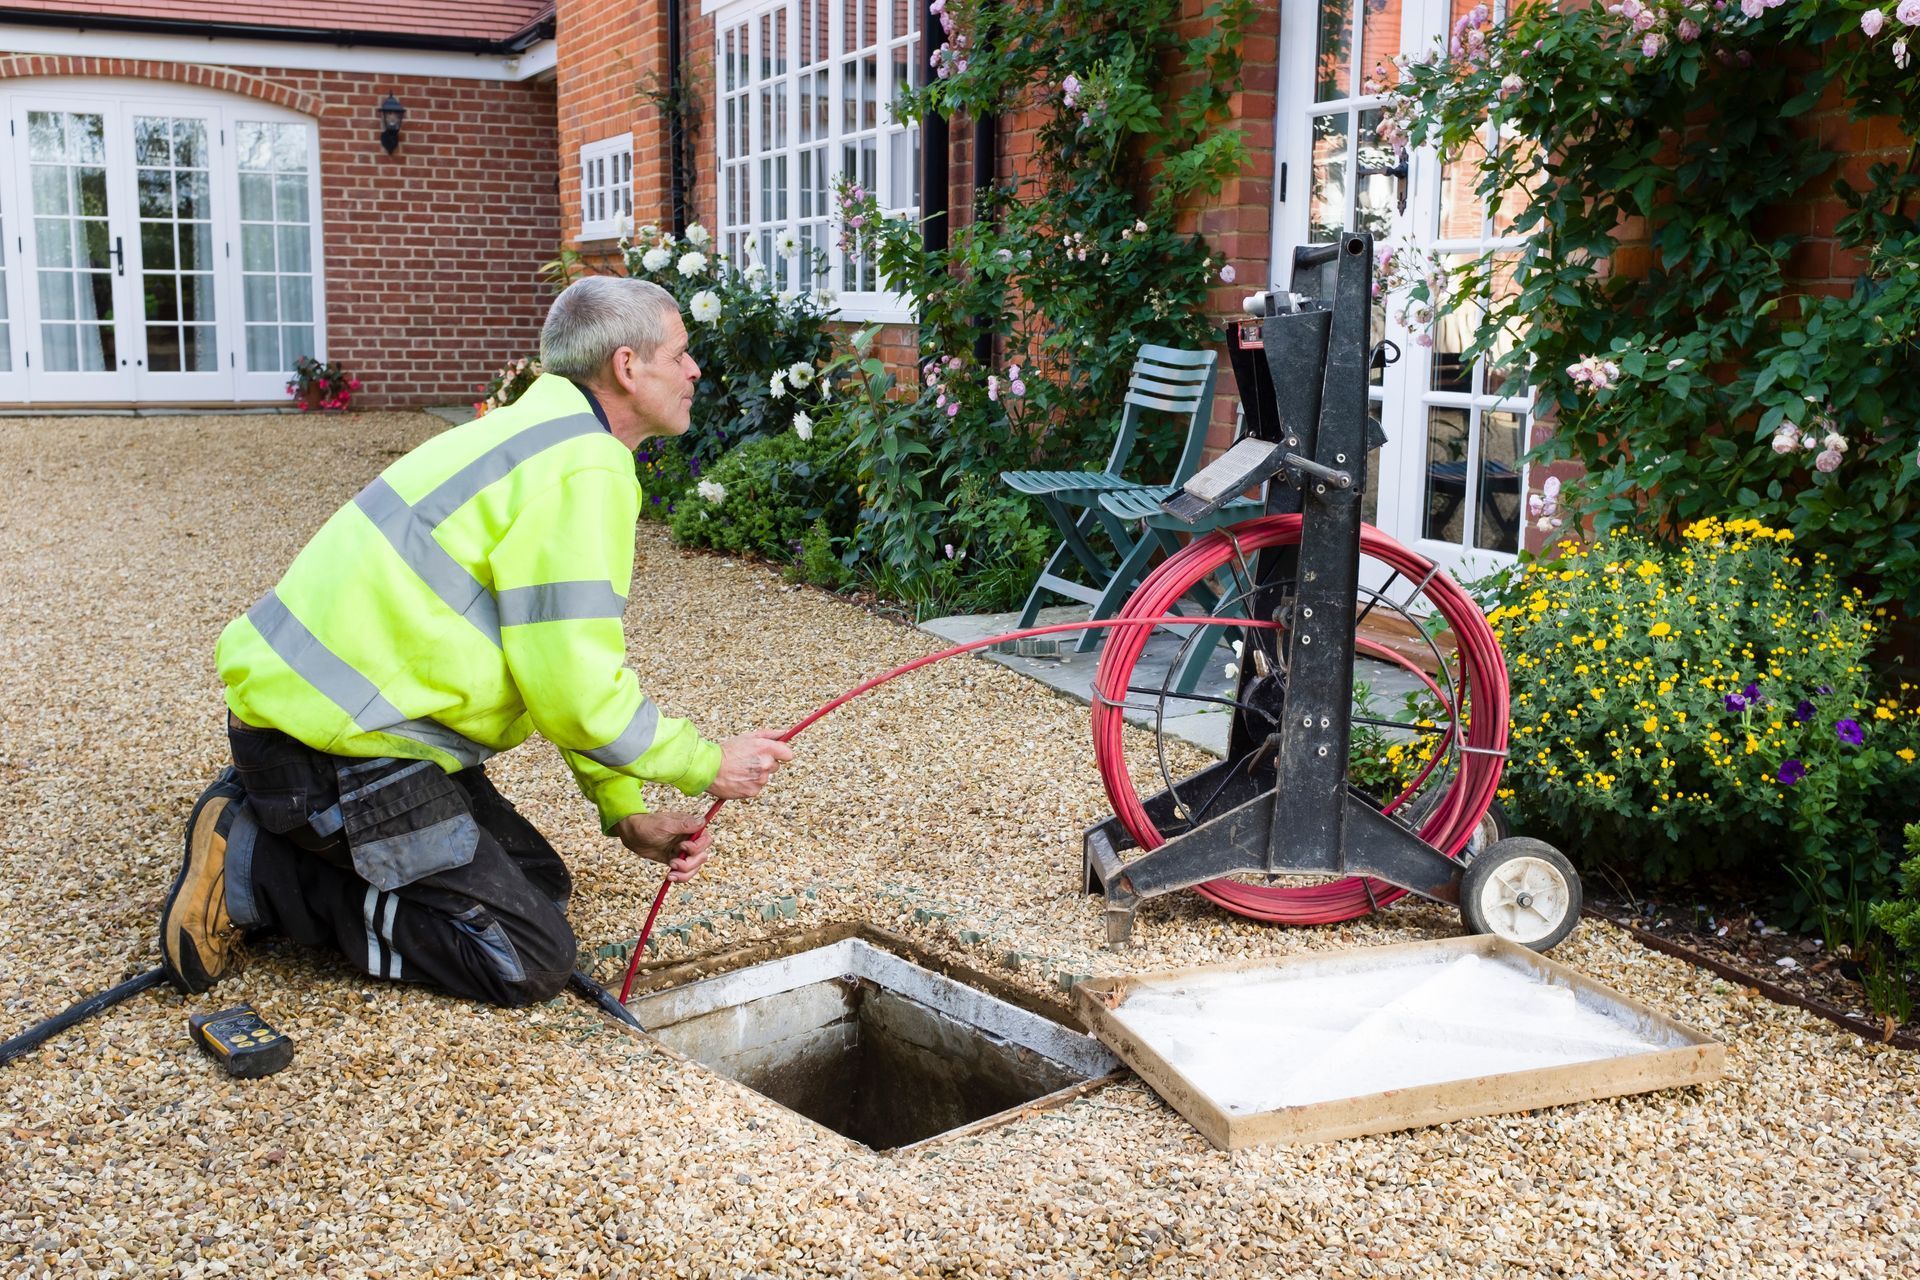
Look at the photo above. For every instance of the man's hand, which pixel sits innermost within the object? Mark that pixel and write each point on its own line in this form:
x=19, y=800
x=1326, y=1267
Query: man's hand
x=747, y=764
x=677, y=839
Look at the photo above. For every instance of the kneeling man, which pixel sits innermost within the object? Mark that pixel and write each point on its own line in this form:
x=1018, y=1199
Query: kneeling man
x=469, y=596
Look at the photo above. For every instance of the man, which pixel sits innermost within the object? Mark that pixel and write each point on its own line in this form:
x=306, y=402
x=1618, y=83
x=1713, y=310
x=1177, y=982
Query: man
x=470, y=595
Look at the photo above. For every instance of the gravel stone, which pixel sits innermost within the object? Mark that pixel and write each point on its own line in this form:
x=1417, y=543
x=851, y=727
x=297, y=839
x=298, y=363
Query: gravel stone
x=420, y=1136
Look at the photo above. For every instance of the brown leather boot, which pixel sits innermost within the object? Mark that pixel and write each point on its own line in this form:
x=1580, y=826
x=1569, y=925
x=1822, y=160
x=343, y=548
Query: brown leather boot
x=199, y=943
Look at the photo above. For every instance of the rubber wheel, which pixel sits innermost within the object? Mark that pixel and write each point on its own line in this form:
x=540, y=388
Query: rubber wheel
x=1494, y=827
x=1523, y=890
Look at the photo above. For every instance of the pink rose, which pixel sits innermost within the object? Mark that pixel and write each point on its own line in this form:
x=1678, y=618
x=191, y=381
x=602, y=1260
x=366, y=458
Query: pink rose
x=1650, y=47
x=993, y=387
x=1871, y=21
x=953, y=410
x=1228, y=274
x=1909, y=12
x=1828, y=461
x=1688, y=31
x=1017, y=387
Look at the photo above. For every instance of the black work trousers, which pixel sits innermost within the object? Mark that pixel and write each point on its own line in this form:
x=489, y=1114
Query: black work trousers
x=411, y=872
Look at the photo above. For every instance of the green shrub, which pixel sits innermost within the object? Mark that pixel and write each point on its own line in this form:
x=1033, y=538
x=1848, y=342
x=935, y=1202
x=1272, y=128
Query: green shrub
x=1705, y=706
x=762, y=497
x=665, y=473
x=1899, y=916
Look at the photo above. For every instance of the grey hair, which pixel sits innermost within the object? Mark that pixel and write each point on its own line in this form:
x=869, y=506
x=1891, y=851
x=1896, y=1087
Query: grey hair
x=597, y=315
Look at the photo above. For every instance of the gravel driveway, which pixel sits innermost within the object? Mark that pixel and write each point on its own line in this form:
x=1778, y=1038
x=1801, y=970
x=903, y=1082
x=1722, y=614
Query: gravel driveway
x=419, y=1136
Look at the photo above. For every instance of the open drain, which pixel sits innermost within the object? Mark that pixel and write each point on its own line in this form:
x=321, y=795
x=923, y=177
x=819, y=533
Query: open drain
x=872, y=1045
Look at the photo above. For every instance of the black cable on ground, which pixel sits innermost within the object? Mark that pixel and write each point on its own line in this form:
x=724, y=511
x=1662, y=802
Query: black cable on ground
x=41, y=1032
x=604, y=998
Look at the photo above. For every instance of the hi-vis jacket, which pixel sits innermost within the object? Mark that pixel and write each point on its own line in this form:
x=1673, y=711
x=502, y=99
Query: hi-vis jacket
x=470, y=595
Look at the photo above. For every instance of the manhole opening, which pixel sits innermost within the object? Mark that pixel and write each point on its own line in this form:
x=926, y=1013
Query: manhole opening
x=874, y=1046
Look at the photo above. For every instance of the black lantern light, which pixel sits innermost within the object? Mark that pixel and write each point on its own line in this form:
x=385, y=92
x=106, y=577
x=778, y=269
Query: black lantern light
x=391, y=114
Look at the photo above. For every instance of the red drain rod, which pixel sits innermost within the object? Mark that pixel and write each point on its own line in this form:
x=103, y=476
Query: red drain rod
x=1171, y=620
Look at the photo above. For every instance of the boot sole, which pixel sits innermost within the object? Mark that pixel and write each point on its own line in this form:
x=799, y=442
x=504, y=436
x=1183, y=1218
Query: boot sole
x=184, y=965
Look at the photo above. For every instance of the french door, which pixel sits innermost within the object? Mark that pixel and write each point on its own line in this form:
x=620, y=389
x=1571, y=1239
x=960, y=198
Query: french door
x=1450, y=481
x=155, y=248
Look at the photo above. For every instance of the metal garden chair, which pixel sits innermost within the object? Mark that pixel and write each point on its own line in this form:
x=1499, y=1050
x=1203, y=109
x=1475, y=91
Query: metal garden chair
x=1165, y=379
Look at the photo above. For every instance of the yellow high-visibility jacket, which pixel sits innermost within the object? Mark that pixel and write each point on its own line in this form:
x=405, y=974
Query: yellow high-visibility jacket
x=470, y=595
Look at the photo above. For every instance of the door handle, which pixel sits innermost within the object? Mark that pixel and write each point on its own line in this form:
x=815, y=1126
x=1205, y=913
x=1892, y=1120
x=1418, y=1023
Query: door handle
x=119, y=257
x=1397, y=171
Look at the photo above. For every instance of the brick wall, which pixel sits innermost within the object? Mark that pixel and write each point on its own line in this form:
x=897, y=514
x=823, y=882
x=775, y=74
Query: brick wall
x=431, y=253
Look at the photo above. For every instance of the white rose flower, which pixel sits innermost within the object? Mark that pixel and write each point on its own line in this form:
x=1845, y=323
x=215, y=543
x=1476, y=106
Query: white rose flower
x=657, y=258
x=621, y=225
x=823, y=298
x=777, y=384
x=756, y=275
x=697, y=235
x=692, y=264
x=705, y=306
x=803, y=425
x=800, y=373
x=711, y=492
x=787, y=245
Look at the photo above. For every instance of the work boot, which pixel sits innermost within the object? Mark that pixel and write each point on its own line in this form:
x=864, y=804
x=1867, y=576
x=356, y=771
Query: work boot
x=199, y=942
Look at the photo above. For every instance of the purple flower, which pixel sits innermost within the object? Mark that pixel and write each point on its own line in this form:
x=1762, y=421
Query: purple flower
x=1803, y=712
x=1791, y=771
x=1850, y=732
x=1735, y=702
x=1752, y=692
x=1824, y=690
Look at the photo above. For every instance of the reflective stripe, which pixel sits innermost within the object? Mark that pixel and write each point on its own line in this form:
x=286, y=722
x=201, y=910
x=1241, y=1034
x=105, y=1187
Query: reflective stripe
x=411, y=536
x=319, y=666
x=465, y=484
x=560, y=602
x=373, y=938
x=633, y=740
x=386, y=934
x=346, y=688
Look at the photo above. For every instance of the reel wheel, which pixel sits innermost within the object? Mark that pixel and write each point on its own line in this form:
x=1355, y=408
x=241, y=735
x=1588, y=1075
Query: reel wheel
x=1523, y=890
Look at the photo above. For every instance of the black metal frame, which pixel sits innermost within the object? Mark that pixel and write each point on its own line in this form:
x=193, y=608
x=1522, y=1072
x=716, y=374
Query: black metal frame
x=1293, y=814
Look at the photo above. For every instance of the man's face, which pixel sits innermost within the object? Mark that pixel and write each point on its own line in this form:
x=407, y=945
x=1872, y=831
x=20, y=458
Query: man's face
x=662, y=388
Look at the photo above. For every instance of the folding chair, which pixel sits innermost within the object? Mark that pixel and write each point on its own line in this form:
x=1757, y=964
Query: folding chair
x=1163, y=378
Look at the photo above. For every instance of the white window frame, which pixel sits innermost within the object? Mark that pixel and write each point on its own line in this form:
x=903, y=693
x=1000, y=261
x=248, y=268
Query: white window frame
x=755, y=169
x=609, y=195
x=118, y=97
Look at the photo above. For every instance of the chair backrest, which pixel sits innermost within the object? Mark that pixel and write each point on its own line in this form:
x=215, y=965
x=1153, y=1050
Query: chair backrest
x=1174, y=381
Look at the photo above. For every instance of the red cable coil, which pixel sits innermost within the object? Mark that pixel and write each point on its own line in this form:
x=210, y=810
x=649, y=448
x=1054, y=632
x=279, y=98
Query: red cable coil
x=1483, y=693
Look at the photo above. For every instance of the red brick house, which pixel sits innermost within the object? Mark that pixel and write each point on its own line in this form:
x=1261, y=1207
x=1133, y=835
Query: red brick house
x=195, y=192
x=530, y=124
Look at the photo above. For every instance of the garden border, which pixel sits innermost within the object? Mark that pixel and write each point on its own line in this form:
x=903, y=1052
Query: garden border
x=1771, y=990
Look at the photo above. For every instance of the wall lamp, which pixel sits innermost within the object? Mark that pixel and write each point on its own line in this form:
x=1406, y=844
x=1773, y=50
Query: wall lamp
x=391, y=114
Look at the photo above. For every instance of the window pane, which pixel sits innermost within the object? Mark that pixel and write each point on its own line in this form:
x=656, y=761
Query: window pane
x=152, y=141
x=190, y=198
x=202, y=349
x=290, y=197
x=1328, y=199
x=295, y=244
x=296, y=298
x=53, y=242
x=261, y=298
x=1446, y=480
x=52, y=193
x=162, y=298
x=163, y=349
x=156, y=246
x=263, y=348
x=196, y=297
x=196, y=246
x=256, y=248
x=56, y=295
x=1333, y=56
x=1499, y=497
x=296, y=341
x=256, y=197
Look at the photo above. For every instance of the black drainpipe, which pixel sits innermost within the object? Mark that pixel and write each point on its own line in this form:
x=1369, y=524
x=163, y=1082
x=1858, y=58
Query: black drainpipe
x=676, y=123
x=986, y=163
x=934, y=213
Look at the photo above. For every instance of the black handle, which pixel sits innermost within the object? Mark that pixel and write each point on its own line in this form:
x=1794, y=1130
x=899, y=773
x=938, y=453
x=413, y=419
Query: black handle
x=1398, y=172
x=119, y=256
